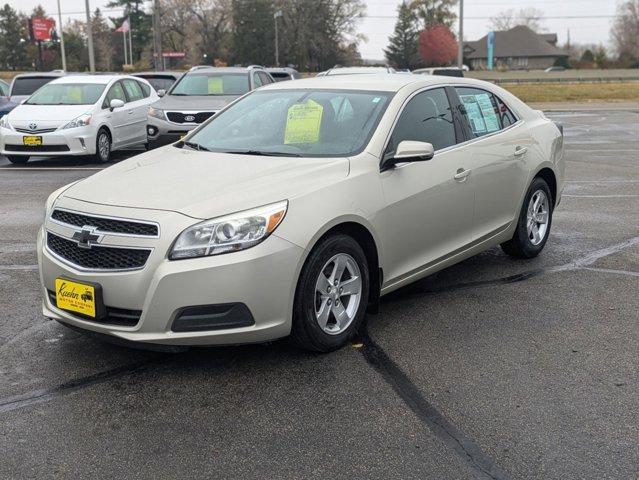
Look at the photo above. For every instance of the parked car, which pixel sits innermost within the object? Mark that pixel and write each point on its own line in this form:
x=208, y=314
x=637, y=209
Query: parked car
x=357, y=70
x=23, y=85
x=296, y=207
x=78, y=115
x=445, y=71
x=160, y=81
x=555, y=68
x=196, y=96
x=283, y=74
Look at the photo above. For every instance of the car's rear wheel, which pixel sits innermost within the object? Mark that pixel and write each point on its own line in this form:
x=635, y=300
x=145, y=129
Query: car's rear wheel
x=331, y=296
x=18, y=159
x=533, y=226
x=103, y=146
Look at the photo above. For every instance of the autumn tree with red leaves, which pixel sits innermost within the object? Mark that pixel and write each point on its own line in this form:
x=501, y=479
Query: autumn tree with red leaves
x=437, y=46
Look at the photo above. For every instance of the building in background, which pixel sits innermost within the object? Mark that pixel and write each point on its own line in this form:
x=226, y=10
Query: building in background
x=519, y=48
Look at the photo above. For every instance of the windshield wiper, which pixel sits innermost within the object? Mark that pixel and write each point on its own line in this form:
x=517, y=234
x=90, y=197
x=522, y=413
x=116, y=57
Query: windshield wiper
x=196, y=146
x=266, y=154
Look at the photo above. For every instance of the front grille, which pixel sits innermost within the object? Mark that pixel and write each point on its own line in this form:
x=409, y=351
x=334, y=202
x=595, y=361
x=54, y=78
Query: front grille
x=106, y=225
x=34, y=132
x=178, y=117
x=97, y=257
x=120, y=317
x=37, y=148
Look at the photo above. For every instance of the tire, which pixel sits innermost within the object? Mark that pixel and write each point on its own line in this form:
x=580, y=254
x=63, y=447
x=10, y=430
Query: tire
x=529, y=242
x=310, y=304
x=18, y=159
x=103, y=155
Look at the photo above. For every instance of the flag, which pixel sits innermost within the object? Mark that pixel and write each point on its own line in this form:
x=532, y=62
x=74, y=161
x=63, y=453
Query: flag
x=125, y=27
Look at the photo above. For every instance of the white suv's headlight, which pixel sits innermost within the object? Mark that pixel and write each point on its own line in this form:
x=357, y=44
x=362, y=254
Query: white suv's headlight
x=156, y=112
x=4, y=122
x=231, y=233
x=81, y=121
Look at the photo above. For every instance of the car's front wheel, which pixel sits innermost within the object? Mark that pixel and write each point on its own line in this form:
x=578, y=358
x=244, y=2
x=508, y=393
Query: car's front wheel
x=103, y=146
x=18, y=159
x=533, y=225
x=331, y=296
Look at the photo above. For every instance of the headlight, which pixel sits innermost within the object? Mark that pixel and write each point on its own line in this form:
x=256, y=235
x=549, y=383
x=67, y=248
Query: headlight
x=156, y=112
x=4, y=122
x=231, y=233
x=81, y=121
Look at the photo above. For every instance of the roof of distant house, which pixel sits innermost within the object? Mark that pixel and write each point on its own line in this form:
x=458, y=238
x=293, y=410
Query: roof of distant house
x=519, y=41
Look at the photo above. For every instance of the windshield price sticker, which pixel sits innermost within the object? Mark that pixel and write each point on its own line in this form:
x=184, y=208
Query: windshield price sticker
x=303, y=123
x=215, y=85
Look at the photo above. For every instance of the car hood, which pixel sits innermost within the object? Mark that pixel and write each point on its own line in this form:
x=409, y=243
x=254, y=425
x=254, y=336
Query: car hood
x=206, y=184
x=194, y=102
x=47, y=113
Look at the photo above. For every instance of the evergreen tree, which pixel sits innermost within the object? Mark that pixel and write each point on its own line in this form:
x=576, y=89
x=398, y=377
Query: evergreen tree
x=103, y=41
x=141, y=24
x=253, y=32
x=402, y=51
x=13, y=34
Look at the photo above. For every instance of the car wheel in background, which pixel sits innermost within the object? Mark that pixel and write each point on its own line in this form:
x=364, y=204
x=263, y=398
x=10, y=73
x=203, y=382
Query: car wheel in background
x=331, y=296
x=103, y=146
x=18, y=159
x=533, y=226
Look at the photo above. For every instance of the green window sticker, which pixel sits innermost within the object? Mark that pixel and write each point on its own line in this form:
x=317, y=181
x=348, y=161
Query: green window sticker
x=488, y=112
x=215, y=85
x=303, y=123
x=473, y=111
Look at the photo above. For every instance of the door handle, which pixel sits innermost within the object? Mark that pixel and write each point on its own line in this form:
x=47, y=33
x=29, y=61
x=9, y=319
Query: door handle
x=130, y=112
x=519, y=151
x=461, y=174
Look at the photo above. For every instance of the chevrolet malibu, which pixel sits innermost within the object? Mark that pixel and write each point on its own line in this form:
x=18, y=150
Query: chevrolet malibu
x=78, y=115
x=292, y=211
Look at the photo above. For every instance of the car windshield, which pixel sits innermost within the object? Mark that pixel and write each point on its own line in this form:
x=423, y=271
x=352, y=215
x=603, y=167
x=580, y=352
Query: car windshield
x=67, y=94
x=160, y=82
x=324, y=123
x=28, y=85
x=212, y=83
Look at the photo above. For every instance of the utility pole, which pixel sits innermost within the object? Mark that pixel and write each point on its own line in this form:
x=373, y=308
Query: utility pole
x=62, y=52
x=460, y=52
x=90, y=38
x=157, y=36
x=277, y=46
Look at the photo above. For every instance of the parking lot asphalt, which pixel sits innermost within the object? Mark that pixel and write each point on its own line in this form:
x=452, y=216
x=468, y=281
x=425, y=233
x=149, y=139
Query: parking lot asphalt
x=493, y=368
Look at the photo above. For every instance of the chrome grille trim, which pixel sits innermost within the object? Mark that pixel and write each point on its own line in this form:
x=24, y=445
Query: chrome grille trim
x=106, y=217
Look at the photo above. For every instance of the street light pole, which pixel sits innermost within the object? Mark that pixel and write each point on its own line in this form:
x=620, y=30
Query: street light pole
x=460, y=52
x=90, y=38
x=277, y=46
x=62, y=52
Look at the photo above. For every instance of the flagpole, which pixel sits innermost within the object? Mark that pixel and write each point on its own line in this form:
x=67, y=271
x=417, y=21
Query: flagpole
x=130, y=42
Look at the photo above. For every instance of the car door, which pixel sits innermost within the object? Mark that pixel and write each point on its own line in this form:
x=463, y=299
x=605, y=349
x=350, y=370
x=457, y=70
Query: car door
x=429, y=204
x=137, y=109
x=118, y=118
x=498, y=162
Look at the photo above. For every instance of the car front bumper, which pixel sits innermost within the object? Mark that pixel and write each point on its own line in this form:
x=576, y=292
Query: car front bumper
x=71, y=141
x=257, y=285
x=162, y=132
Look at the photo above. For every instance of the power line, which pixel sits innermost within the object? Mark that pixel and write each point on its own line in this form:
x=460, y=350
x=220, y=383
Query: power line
x=543, y=17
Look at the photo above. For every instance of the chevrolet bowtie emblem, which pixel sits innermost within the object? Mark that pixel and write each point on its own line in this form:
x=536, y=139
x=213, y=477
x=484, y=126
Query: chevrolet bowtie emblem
x=86, y=237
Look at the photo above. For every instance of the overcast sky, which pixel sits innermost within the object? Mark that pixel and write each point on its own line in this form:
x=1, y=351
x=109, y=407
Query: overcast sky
x=592, y=24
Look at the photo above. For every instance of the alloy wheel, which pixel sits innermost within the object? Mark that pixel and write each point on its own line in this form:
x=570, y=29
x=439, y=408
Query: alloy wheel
x=537, y=217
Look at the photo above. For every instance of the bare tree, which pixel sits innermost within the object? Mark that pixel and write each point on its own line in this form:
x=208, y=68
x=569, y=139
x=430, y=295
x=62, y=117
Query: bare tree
x=625, y=30
x=530, y=17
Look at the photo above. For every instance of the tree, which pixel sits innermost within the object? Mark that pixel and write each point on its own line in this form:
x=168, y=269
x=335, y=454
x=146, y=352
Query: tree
x=435, y=12
x=625, y=30
x=103, y=39
x=253, y=32
x=141, y=21
x=402, y=51
x=437, y=46
x=601, y=56
x=587, y=56
x=530, y=17
x=13, y=33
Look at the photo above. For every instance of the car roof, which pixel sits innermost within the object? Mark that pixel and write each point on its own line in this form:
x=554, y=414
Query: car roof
x=389, y=82
x=98, y=79
x=223, y=69
x=175, y=74
x=281, y=70
x=54, y=73
x=355, y=70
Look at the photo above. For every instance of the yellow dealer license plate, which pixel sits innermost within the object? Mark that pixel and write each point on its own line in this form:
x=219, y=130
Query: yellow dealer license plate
x=76, y=297
x=32, y=141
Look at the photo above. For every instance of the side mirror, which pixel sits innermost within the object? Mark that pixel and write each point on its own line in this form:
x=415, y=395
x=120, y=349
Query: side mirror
x=116, y=103
x=161, y=92
x=410, y=151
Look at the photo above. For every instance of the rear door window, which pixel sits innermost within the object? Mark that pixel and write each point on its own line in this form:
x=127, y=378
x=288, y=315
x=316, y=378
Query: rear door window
x=146, y=90
x=484, y=112
x=264, y=78
x=133, y=90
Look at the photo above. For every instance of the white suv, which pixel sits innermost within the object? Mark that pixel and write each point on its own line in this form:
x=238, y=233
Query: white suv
x=78, y=115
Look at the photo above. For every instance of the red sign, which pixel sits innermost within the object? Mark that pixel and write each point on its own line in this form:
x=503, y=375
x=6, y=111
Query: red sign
x=173, y=54
x=41, y=28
